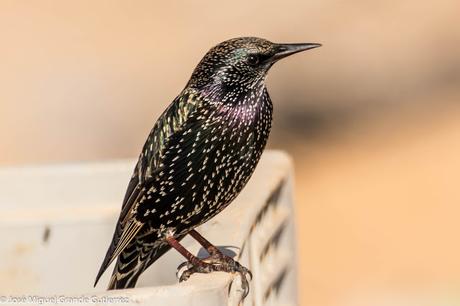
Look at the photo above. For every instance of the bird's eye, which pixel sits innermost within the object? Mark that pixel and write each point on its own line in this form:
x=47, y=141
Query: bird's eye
x=253, y=59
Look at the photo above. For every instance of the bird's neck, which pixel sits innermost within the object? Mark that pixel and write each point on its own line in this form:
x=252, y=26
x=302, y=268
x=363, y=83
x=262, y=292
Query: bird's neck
x=232, y=95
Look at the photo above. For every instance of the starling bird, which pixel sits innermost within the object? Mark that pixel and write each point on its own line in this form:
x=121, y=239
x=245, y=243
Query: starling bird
x=198, y=157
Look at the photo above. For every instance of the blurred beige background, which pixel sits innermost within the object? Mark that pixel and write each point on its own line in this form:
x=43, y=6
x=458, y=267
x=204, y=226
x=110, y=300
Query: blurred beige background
x=371, y=118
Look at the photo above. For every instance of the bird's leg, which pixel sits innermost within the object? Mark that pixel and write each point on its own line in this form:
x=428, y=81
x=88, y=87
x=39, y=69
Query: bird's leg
x=197, y=264
x=210, y=248
x=216, y=255
x=216, y=262
x=222, y=262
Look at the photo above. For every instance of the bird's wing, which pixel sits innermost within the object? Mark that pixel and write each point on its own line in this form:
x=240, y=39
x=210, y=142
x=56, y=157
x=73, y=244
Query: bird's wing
x=171, y=122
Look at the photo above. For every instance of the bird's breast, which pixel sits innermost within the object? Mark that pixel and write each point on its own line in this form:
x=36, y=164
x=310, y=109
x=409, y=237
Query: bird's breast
x=207, y=165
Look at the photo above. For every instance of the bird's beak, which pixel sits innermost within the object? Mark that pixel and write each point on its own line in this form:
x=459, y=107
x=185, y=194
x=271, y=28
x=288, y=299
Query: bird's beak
x=284, y=50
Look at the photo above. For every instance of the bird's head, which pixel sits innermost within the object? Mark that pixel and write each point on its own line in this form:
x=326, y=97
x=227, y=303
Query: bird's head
x=240, y=64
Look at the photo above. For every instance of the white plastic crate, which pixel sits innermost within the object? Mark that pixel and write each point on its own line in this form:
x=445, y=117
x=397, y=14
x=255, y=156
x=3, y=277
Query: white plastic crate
x=56, y=223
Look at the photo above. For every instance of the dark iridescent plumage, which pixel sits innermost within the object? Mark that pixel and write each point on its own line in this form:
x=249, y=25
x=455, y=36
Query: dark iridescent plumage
x=200, y=154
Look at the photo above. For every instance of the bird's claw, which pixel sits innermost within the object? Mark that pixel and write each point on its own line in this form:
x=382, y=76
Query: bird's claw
x=243, y=272
x=216, y=263
x=191, y=269
x=186, y=264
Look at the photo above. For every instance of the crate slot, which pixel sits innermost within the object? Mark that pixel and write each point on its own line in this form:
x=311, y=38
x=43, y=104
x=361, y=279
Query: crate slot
x=273, y=241
x=276, y=285
x=272, y=201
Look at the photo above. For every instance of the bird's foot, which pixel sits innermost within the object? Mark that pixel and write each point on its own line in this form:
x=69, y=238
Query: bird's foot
x=216, y=262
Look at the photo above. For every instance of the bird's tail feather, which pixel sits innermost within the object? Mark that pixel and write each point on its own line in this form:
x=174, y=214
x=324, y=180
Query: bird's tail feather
x=131, y=263
x=124, y=281
x=128, y=268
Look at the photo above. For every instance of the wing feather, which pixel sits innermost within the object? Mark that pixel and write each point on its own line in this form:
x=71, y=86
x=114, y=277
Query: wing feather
x=173, y=120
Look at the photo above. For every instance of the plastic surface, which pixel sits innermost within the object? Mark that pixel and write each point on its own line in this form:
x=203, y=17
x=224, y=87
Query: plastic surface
x=56, y=223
